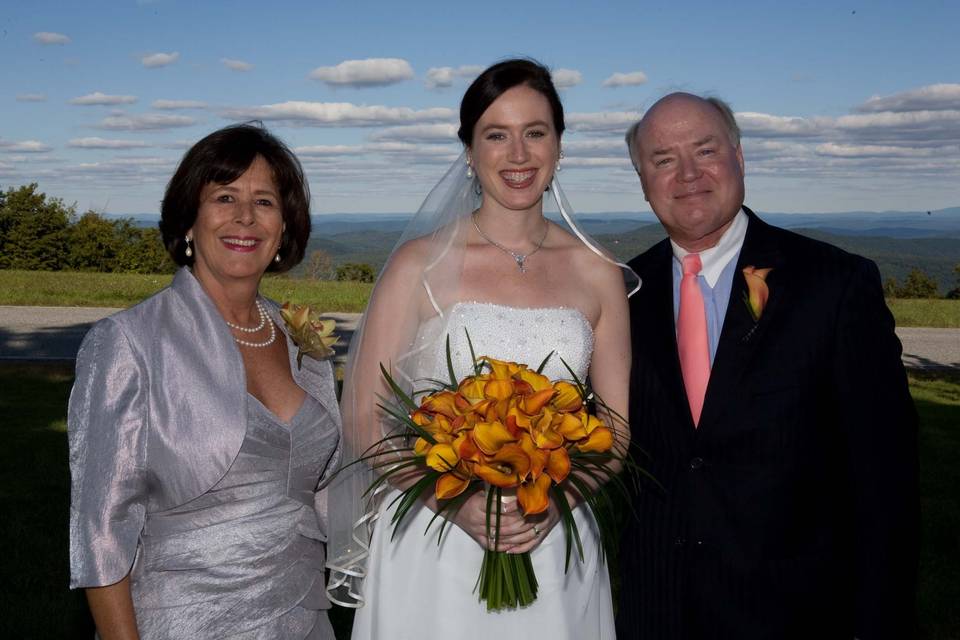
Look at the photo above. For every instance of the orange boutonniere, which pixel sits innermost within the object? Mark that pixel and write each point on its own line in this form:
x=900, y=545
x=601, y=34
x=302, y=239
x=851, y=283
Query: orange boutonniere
x=757, y=291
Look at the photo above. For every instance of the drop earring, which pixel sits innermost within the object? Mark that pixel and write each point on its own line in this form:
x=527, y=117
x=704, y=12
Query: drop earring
x=559, y=159
x=189, y=250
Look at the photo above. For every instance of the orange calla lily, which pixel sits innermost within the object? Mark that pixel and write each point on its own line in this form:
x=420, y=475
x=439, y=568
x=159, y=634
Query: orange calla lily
x=533, y=496
x=442, y=457
x=472, y=388
x=533, y=403
x=571, y=426
x=544, y=434
x=450, y=485
x=538, y=457
x=506, y=468
x=600, y=440
x=758, y=290
x=498, y=389
x=421, y=447
x=491, y=436
x=558, y=465
x=443, y=402
x=568, y=397
x=537, y=381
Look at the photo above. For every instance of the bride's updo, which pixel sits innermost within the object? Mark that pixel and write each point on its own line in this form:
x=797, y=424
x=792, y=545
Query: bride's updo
x=498, y=79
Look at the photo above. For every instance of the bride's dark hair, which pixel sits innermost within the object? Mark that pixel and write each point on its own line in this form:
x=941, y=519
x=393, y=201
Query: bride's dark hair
x=499, y=78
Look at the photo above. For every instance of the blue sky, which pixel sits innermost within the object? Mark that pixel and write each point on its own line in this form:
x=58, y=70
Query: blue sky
x=844, y=106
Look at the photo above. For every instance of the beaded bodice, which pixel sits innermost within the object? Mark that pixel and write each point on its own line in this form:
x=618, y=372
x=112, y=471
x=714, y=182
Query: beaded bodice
x=517, y=334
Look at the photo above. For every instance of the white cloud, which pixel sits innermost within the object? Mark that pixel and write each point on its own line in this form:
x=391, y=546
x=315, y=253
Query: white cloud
x=870, y=151
x=24, y=146
x=630, y=79
x=154, y=60
x=145, y=122
x=49, y=37
x=104, y=143
x=98, y=98
x=372, y=72
x=605, y=147
x=566, y=78
x=324, y=150
x=765, y=125
x=605, y=121
x=178, y=104
x=419, y=133
x=441, y=77
x=31, y=97
x=236, y=65
x=339, y=114
x=933, y=97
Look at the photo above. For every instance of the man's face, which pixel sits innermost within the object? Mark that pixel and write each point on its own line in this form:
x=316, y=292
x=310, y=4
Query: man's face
x=691, y=172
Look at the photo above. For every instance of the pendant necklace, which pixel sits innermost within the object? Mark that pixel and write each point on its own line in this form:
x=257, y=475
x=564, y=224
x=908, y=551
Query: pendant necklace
x=519, y=258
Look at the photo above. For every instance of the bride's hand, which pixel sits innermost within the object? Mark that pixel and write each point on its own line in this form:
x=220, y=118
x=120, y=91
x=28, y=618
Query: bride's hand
x=518, y=534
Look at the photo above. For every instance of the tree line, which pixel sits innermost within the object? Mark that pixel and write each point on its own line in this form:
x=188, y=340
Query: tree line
x=38, y=233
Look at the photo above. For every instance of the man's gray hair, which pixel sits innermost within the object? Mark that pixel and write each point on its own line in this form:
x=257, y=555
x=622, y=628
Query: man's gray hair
x=726, y=113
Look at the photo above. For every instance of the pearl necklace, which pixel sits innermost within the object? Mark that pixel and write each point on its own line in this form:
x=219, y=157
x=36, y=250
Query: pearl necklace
x=519, y=258
x=263, y=320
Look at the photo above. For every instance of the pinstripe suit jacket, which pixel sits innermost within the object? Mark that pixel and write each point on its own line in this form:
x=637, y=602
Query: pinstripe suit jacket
x=792, y=511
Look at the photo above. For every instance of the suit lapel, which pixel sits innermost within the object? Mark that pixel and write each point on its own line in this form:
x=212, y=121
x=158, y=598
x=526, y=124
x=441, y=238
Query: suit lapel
x=740, y=336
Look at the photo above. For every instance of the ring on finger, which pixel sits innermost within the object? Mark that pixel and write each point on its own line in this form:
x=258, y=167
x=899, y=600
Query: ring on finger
x=536, y=531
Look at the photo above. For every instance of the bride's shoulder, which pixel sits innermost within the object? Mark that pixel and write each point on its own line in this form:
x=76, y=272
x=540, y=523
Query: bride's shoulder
x=409, y=258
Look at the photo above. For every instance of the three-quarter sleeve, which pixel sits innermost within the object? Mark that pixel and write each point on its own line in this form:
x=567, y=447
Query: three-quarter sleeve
x=106, y=424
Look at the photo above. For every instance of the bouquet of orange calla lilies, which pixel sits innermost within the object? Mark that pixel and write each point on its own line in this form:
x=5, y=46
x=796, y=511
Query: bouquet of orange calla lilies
x=506, y=427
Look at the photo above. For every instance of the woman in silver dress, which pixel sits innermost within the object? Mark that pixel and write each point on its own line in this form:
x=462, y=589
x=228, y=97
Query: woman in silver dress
x=196, y=441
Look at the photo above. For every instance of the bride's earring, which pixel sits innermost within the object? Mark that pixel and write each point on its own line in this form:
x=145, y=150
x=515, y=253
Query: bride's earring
x=559, y=159
x=189, y=250
x=469, y=170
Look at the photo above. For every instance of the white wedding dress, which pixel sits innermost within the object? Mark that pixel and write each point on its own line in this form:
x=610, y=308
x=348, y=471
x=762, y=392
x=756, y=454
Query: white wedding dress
x=416, y=589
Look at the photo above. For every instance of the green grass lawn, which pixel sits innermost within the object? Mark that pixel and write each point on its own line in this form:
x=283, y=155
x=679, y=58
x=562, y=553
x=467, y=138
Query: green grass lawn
x=77, y=289
x=34, y=494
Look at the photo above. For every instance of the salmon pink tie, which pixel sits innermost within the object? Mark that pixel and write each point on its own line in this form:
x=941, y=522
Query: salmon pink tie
x=692, y=339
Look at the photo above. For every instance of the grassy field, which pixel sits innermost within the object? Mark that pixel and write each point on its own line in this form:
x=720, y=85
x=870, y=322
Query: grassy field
x=77, y=289
x=34, y=490
x=926, y=313
x=74, y=289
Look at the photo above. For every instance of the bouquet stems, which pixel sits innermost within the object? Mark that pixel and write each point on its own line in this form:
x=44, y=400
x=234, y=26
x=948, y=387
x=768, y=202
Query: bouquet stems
x=507, y=580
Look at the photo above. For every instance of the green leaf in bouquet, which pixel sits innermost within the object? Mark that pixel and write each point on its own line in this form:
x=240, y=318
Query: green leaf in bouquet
x=409, y=497
x=569, y=524
x=477, y=367
x=397, y=391
x=407, y=421
x=453, y=375
x=543, y=363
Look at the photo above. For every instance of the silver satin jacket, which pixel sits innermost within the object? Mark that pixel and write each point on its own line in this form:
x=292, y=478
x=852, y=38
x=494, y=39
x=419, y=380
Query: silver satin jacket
x=156, y=417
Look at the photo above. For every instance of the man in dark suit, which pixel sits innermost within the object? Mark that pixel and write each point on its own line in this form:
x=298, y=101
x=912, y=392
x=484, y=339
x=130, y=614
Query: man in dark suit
x=772, y=406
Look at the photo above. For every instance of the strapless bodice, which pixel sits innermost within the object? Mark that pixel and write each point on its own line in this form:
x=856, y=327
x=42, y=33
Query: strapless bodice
x=517, y=334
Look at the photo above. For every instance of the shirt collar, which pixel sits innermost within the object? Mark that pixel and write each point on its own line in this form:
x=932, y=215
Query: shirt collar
x=718, y=256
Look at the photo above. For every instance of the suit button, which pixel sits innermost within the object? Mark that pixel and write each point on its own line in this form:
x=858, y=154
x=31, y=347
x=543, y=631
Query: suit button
x=679, y=542
x=696, y=463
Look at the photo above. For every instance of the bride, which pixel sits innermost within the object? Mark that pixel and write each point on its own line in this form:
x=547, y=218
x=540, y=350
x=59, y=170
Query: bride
x=480, y=256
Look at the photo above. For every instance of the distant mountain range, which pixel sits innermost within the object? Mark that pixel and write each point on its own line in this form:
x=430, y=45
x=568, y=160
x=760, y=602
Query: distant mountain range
x=897, y=241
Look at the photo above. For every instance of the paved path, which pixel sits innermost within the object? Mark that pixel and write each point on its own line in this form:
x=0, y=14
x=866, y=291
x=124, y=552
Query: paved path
x=54, y=333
